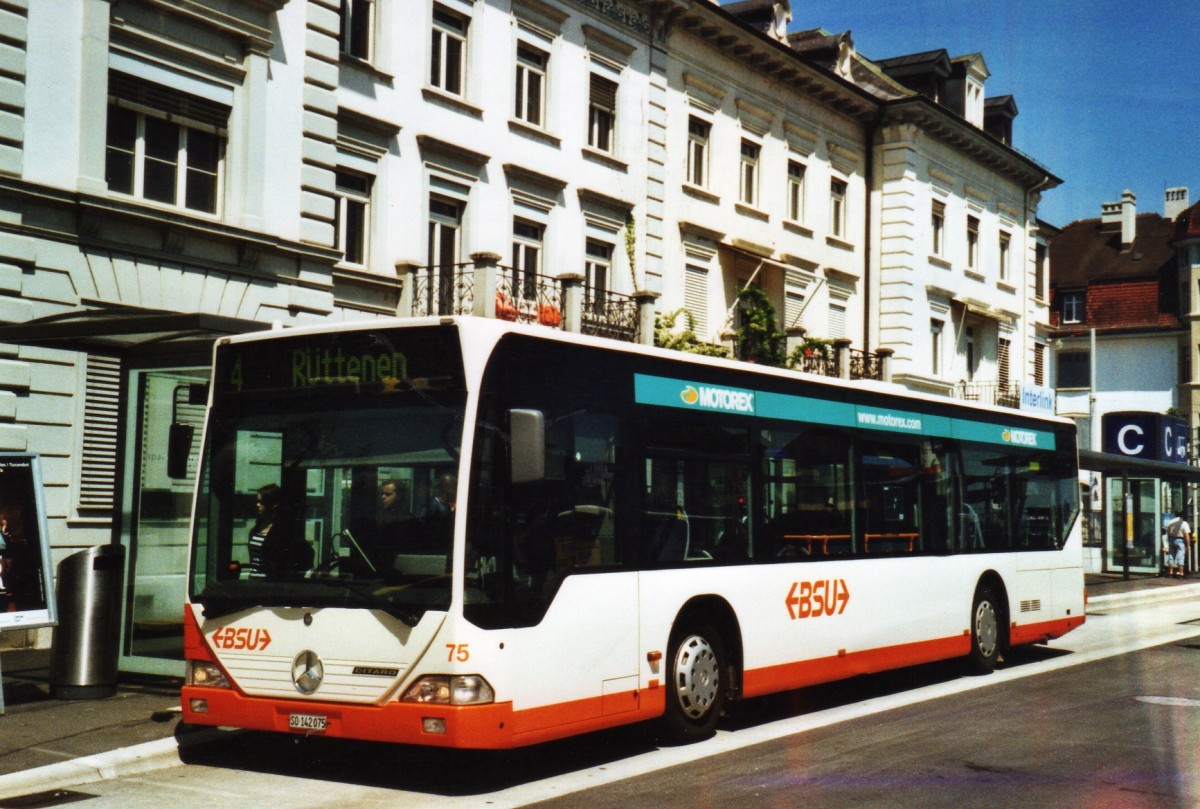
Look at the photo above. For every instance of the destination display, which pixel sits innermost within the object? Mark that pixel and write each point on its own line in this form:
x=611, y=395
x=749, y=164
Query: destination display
x=370, y=362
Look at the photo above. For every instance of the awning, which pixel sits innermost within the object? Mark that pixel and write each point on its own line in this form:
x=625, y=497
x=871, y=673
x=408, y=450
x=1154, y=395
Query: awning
x=1110, y=464
x=129, y=331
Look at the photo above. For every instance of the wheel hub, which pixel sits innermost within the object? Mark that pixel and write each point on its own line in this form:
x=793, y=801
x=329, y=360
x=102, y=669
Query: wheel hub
x=696, y=676
x=987, y=628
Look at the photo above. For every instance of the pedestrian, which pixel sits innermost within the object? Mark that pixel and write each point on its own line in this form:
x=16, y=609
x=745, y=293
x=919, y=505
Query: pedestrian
x=1179, y=533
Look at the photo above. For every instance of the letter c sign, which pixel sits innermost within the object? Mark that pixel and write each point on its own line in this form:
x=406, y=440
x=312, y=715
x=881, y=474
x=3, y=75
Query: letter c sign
x=1122, y=439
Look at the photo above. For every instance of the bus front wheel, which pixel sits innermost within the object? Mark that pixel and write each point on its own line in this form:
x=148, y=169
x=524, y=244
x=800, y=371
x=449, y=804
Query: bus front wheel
x=696, y=687
x=986, y=631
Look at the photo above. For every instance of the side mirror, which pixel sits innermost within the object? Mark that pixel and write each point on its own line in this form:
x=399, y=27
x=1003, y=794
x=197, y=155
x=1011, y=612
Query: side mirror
x=527, y=450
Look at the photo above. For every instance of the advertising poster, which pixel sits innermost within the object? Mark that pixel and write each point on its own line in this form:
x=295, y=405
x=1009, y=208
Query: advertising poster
x=26, y=583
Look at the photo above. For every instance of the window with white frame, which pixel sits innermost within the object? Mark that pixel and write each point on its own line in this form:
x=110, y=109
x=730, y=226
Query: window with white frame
x=164, y=145
x=444, y=246
x=448, y=51
x=837, y=208
x=530, y=98
x=837, y=315
x=794, y=287
x=748, y=173
x=795, y=191
x=697, y=156
x=695, y=297
x=936, y=327
x=937, y=227
x=351, y=227
x=1039, y=363
x=357, y=27
x=602, y=113
x=597, y=271
x=1073, y=306
x=972, y=242
x=1004, y=247
x=526, y=257
x=1039, y=271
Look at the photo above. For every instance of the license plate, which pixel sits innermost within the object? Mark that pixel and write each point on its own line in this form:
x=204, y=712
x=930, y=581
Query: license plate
x=308, y=722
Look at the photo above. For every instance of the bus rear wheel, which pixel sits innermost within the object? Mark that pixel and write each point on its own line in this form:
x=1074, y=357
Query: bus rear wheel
x=696, y=687
x=986, y=631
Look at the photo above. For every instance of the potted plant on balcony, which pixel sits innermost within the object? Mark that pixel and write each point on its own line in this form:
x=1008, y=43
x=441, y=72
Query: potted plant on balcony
x=759, y=338
x=668, y=334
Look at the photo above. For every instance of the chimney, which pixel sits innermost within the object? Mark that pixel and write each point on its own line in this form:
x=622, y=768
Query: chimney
x=1175, y=202
x=1128, y=217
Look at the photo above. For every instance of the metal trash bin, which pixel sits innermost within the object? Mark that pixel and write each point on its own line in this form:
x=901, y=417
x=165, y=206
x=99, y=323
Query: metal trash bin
x=83, y=662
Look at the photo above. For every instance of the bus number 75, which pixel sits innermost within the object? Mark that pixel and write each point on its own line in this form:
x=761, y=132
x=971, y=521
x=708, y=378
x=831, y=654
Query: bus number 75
x=457, y=651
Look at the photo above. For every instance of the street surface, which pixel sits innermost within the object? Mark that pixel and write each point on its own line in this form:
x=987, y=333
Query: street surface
x=1108, y=716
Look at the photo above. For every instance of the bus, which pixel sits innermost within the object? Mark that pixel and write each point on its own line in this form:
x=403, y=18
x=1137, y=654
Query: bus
x=592, y=533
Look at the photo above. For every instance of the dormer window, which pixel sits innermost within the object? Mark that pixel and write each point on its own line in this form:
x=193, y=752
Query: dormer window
x=1072, y=310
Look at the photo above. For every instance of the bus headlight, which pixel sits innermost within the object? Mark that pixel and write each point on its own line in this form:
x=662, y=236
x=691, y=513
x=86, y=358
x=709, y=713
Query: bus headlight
x=444, y=689
x=208, y=675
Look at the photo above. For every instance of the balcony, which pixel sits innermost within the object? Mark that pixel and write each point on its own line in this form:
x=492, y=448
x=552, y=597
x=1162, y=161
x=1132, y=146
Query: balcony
x=992, y=393
x=562, y=302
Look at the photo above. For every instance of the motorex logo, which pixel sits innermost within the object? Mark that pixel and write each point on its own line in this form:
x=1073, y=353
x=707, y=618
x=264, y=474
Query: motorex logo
x=726, y=399
x=1025, y=438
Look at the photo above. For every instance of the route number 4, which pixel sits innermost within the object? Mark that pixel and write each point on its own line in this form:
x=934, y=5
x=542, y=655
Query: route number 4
x=457, y=651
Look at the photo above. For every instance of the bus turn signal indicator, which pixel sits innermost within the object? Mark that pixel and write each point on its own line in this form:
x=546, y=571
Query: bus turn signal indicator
x=812, y=599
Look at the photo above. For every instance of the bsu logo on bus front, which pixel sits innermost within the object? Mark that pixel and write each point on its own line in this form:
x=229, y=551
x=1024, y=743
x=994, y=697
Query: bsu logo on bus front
x=738, y=401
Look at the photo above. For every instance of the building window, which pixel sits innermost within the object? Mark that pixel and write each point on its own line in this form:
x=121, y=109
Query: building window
x=748, y=173
x=1003, y=351
x=448, y=54
x=1039, y=272
x=597, y=270
x=445, y=239
x=1039, y=363
x=837, y=208
x=356, y=28
x=1074, y=369
x=1005, y=242
x=837, y=316
x=795, y=191
x=526, y=257
x=353, y=206
x=935, y=346
x=531, y=84
x=602, y=113
x=972, y=242
x=695, y=298
x=169, y=149
x=938, y=227
x=1072, y=307
x=971, y=358
x=697, y=157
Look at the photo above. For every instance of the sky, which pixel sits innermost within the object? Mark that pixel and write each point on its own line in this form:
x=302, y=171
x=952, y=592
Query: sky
x=1107, y=91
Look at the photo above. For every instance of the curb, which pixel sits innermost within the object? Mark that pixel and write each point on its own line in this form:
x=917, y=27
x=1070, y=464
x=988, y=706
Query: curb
x=133, y=760
x=1118, y=600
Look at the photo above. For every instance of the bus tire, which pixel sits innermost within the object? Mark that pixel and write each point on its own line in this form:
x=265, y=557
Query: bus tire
x=696, y=684
x=986, y=631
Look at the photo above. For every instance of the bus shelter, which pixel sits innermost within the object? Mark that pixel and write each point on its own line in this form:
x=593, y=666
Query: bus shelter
x=1131, y=500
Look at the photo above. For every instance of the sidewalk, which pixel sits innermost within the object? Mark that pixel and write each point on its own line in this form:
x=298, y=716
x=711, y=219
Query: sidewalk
x=48, y=743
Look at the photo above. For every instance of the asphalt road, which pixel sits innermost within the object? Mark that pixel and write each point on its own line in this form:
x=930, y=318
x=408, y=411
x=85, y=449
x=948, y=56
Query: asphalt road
x=1107, y=716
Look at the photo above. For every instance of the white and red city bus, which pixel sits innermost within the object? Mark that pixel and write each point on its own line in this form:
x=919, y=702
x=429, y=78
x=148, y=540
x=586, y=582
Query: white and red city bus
x=591, y=533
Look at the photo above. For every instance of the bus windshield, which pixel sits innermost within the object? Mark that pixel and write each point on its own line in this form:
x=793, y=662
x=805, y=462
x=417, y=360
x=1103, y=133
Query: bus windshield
x=339, y=492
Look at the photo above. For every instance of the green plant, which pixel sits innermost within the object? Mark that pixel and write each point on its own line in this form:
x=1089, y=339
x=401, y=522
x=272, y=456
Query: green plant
x=759, y=338
x=812, y=347
x=631, y=247
x=667, y=334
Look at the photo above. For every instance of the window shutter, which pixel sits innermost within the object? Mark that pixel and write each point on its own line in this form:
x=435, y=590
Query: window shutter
x=695, y=298
x=138, y=92
x=1002, y=353
x=101, y=419
x=604, y=92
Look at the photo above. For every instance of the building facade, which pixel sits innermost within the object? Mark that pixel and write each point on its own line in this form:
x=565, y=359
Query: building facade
x=185, y=171
x=1121, y=311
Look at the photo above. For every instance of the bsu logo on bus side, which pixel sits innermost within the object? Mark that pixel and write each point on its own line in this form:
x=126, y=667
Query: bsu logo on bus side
x=812, y=599
x=241, y=638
